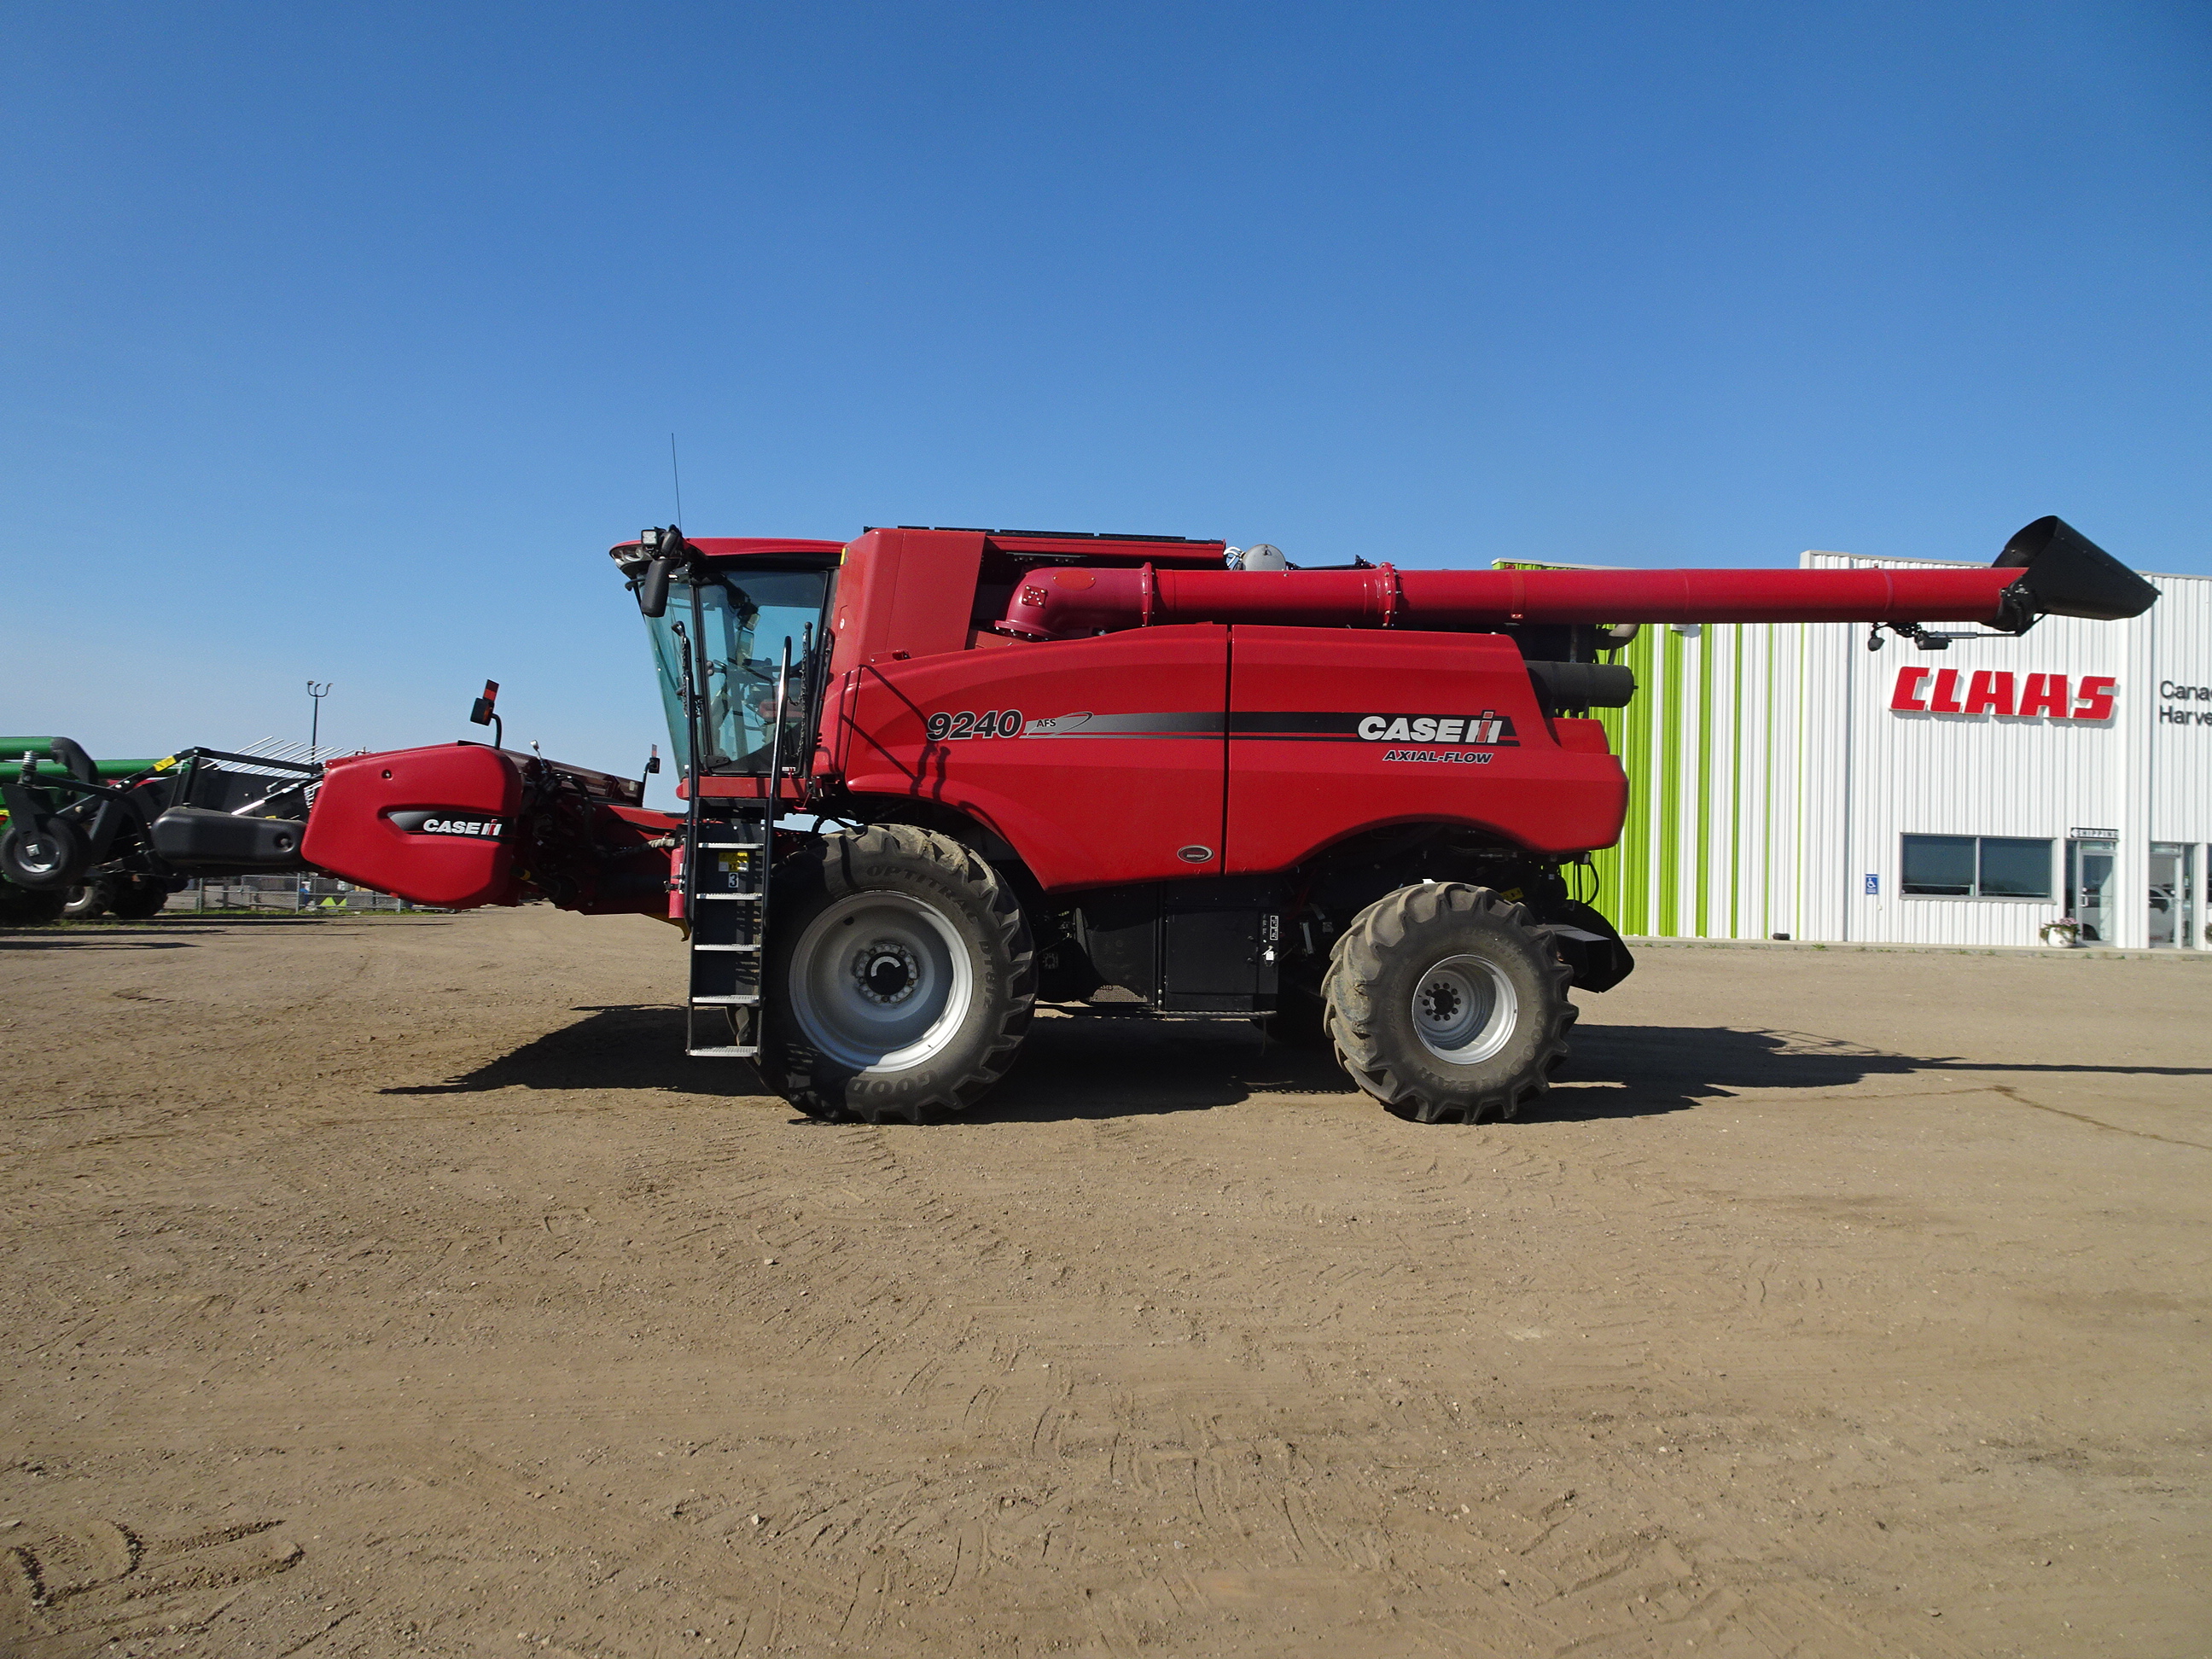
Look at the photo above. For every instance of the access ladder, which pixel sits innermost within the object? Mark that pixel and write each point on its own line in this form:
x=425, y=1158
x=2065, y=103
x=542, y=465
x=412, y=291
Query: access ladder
x=725, y=864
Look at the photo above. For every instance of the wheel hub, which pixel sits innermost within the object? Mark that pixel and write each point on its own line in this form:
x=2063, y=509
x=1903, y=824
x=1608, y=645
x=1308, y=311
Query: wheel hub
x=1464, y=1010
x=1440, y=1000
x=879, y=982
x=887, y=971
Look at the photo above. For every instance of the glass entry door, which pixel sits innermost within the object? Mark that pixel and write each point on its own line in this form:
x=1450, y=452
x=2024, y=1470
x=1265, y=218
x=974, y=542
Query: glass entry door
x=2088, y=887
x=2173, y=895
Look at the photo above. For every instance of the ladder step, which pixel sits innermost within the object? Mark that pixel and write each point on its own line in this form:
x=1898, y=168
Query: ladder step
x=733, y=844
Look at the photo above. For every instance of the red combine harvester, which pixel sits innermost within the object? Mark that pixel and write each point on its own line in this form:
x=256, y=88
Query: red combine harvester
x=1356, y=802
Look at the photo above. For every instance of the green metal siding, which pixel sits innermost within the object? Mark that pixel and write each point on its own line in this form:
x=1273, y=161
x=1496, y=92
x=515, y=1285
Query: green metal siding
x=1700, y=745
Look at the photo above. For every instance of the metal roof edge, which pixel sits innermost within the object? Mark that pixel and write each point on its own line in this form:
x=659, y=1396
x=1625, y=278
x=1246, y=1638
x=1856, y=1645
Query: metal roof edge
x=1891, y=559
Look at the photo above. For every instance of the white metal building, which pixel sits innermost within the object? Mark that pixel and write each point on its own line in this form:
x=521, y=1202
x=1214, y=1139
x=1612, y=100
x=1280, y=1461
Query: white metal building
x=1786, y=780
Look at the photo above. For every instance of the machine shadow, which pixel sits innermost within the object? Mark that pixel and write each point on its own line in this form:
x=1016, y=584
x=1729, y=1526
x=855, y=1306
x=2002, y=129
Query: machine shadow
x=179, y=933
x=1631, y=1070
x=623, y=1048
x=1115, y=1067
x=1094, y=1066
x=1089, y=1066
x=1634, y=1071
x=56, y=939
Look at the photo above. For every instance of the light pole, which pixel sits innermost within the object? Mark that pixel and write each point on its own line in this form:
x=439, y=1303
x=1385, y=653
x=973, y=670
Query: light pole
x=315, y=723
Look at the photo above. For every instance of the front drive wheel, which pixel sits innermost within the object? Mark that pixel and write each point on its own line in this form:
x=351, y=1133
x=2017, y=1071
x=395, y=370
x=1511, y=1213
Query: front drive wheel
x=1448, y=1003
x=901, y=977
x=83, y=902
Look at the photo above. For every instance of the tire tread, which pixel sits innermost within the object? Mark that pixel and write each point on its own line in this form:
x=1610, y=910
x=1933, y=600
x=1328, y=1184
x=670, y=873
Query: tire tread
x=1357, y=959
x=851, y=854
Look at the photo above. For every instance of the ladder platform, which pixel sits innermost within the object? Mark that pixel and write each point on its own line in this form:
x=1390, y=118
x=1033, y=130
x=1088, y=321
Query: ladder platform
x=742, y=1000
x=746, y=950
x=733, y=846
x=746, y=898
x=722, y=1054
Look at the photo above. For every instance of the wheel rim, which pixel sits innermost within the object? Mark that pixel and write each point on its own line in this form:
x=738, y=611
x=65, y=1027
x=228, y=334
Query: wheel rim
x=880, y=983
x=41, y=855
x=1464, y=1010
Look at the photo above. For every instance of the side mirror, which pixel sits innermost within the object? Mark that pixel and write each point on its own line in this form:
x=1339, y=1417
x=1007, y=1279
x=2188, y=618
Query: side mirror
x=653, y=587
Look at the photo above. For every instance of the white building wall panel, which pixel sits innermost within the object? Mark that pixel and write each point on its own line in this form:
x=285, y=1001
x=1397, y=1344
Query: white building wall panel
x=2181, y=722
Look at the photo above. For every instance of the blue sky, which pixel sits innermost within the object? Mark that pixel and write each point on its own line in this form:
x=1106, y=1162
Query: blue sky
x=341, y=341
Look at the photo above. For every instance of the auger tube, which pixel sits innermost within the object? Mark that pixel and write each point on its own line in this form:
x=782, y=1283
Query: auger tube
x=1070, y=602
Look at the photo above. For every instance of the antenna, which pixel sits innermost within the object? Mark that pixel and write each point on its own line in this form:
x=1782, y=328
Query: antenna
x=315, y=725
x=676, y=474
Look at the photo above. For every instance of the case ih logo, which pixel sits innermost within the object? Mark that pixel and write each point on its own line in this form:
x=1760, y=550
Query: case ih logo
x=1993, y=691
x=448, y=821
x=1489, y=729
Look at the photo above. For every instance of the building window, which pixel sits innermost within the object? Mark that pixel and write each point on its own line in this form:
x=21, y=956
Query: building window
x=1977, y=866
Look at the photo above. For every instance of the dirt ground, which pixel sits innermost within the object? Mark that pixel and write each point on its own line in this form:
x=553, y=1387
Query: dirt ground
x=397, y=1287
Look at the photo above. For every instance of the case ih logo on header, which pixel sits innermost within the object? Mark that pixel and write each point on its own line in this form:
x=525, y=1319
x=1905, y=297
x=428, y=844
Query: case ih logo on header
x=1992, y=691
x=448, y=821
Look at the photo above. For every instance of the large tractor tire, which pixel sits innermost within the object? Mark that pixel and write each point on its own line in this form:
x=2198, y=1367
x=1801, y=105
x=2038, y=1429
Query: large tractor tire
x=85, y=901
x=900, y=977
x=1449, y=1003
x=21, y=908
x=137, y=898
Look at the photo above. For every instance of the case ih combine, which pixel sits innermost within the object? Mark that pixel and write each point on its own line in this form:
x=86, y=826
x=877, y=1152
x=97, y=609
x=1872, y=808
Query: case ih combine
x=1353, y=801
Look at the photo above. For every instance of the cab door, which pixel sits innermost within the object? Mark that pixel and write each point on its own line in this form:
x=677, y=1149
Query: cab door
x=1101, y=761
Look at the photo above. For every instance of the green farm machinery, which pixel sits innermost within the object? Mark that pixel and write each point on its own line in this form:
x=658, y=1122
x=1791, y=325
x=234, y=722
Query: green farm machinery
x=78, y=837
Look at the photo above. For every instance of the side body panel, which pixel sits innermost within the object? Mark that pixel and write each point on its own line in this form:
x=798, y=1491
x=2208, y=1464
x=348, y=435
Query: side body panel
x=1333, y=731
x=1101, y=761
x=910, y=591
x=435, y=826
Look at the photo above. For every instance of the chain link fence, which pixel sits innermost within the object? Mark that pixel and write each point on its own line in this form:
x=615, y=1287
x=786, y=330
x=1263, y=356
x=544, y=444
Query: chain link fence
x=295, y=895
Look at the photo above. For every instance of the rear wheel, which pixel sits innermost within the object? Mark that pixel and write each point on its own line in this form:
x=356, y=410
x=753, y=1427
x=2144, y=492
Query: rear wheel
x=901, y=977
x=1448, y=1003
x=83, y=903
